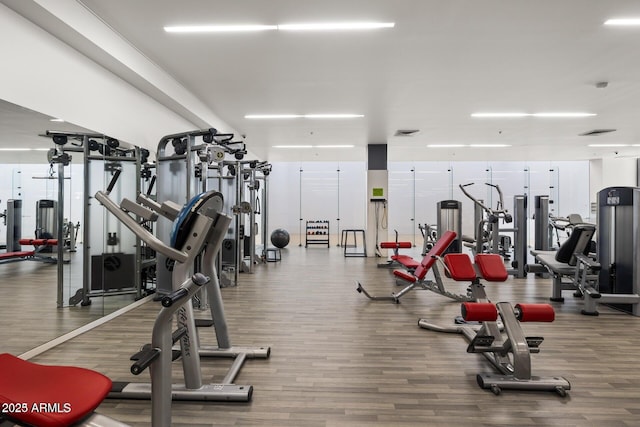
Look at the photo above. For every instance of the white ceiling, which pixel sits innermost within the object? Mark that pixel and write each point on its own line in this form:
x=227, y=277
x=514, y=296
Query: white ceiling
x=444, y=60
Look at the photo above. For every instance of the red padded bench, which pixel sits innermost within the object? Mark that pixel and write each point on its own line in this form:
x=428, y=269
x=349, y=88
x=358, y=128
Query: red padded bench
x=16, y=255
x=39, y=242
x=48, y=396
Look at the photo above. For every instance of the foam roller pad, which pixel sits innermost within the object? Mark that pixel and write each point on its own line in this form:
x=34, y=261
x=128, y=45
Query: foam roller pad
x=479, y=312
x=535, y=313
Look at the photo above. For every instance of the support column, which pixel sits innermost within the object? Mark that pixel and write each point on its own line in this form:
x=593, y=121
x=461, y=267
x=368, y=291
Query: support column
x=377, y=198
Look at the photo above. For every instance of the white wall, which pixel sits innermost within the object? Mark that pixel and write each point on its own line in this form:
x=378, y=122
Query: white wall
x=43, y=74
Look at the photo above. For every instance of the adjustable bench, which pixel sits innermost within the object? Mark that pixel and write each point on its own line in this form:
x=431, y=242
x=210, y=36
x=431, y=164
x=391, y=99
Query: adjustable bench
x=508, y=352
x=39, y=246
x=51, y=396
x=417, y=278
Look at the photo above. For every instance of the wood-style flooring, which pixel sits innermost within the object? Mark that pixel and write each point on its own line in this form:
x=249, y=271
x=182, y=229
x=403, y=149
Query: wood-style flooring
x=339, y=359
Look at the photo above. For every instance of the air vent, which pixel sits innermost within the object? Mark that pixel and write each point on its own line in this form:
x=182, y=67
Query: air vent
x=597, y=132
x=406, y=132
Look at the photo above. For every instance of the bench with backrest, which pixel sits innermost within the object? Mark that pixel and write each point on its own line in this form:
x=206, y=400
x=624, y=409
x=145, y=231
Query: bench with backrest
x=416, y=279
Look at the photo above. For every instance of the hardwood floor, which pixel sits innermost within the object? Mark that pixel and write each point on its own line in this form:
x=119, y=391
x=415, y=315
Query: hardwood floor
x=339, y=359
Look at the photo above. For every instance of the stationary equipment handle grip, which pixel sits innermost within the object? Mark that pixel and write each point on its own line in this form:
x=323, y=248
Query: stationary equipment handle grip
x=197, y=279
x=146, y=358
x=173, y=297
x=479, y=311
x=112, y=183
x=535, y=313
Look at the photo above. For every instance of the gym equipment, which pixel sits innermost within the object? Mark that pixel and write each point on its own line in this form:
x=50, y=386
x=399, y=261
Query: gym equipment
x=429, y=237
x=618, y=247
x=48, y=396
x=488, y=238
x=561, y=264
x=408, y=262
x=184, y=162
x=46, y=219
x=416, y=280
x=509, y=353
x=487, y=233
x=280, y=238
x=13, y=221
x=449, y=217
x=101, y=156
x=198, y=230
x=158, y=355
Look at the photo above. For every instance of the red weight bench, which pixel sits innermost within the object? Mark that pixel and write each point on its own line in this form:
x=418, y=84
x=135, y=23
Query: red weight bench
x=417, y=278
x=38, y=244
x=504, y=345
x=51, y=396
x=397, y=260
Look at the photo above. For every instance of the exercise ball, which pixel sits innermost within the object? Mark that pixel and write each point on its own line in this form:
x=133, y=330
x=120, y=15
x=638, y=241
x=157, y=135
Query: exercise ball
x=280, y=238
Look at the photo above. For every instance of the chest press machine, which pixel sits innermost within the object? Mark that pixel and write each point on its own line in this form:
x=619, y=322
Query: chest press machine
x=509, y=351
x=415, y=277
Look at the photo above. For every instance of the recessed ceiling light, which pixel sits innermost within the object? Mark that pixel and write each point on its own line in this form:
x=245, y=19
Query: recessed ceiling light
x=318, y=26
x=489, y=145
x=623, y=22
x=303, y=116
x=445, y=145
x=608, y=145
x=56, y=120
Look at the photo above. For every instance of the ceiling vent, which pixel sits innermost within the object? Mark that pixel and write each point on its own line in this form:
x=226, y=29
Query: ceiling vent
x=406, y=132
x=597, y=132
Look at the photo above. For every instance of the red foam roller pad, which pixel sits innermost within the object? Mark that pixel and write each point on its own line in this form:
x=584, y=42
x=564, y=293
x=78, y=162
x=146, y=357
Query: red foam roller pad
x=535, y=313
x=393, y=245
x=479, y=312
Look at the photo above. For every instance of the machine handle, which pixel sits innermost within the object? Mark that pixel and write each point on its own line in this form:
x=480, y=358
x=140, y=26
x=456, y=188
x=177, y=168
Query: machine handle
x=197, y=279
x=146, y=358
x=112, y=183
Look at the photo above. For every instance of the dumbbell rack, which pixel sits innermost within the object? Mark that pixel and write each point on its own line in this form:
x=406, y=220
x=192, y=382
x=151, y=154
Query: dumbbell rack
x=317, y=233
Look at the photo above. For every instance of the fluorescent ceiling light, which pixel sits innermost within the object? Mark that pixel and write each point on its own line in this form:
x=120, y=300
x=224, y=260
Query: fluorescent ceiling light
x=335, y=26
x=319, y=26
x=608, y=145
x=24, y=149
x=544, y=115
x=333, y=116
x=273, y=116
x=292, y=146
x=563, y=115
x=492, y=115
x=303, y=116
x=334, y=146
x=56, y=120
x=623, y=22
x=313, y=146
x=464, y=145
x=219, y=28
